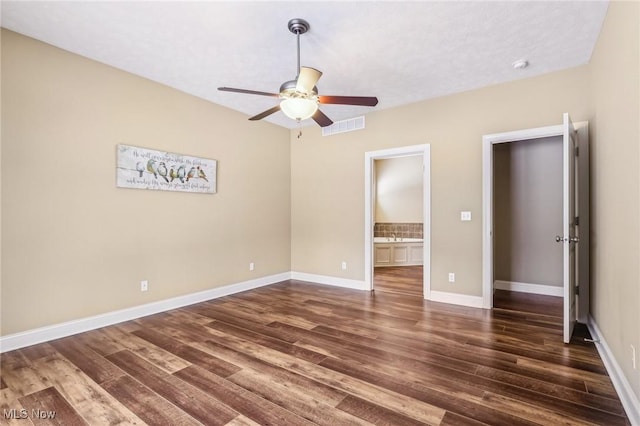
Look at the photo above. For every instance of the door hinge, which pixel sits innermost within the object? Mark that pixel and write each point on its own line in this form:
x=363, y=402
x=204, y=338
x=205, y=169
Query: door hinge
x=577, y=151
x=577, y=221
x=577, y=290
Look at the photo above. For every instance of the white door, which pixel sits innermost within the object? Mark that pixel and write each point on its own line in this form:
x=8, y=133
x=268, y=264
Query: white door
x=569, y=239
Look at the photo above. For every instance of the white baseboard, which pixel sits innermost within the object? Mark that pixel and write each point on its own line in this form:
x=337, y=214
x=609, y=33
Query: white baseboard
x=329, y=280
x=56, y=331
x=629, y=399
x=548, y=290
x=456, y=299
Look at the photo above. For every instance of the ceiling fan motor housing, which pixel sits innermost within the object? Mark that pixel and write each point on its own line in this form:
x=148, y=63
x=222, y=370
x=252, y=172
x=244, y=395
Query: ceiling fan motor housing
x=288, y=90
x=298, y=26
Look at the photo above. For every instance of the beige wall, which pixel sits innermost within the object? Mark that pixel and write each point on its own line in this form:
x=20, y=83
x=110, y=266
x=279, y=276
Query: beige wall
x=528, y=211
x=74, y=245
x=399, y=195
x=327, y=173
x=615, y=184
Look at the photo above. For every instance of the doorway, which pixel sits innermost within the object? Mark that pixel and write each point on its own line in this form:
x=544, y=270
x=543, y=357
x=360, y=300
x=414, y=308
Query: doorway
x=398, y=248
x=527, y=212
x=574, y=235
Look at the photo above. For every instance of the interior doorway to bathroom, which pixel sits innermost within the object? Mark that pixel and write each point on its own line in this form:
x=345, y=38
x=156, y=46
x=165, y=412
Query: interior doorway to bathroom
x=397, y=217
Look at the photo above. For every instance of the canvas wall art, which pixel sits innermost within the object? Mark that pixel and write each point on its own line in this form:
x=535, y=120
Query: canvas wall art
x=144, y=168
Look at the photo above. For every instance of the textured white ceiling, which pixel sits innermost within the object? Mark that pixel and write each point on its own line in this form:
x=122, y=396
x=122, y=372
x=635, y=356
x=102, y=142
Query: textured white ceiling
x=401, y=52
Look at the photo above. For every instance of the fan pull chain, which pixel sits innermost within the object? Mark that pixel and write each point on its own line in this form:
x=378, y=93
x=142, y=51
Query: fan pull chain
x=299, y=129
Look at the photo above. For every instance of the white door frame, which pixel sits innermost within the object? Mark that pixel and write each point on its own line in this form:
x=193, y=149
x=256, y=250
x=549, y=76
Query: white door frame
x=369, y=208
x=487, y=207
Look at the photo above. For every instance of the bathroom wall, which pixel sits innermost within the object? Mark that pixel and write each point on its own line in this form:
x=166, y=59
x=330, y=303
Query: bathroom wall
x=399, y=195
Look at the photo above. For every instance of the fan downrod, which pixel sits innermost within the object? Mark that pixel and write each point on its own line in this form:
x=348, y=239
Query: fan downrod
x=298, y=26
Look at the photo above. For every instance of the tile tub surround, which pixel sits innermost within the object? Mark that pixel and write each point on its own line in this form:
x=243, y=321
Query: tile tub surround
x=400, y=230
x=387, y=240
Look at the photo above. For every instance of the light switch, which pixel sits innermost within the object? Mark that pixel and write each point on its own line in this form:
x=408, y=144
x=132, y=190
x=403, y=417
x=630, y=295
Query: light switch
x=465, y=216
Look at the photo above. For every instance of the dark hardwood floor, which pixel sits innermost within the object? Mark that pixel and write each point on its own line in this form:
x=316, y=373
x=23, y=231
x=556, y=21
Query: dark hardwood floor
x=527, y=302
x=295, y=353
x=405, y=280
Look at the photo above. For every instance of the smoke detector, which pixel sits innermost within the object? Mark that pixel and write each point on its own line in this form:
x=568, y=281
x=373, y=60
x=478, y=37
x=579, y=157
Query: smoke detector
x=520, y=64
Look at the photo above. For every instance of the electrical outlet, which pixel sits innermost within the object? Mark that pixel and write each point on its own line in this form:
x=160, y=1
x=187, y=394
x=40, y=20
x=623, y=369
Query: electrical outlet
x=633, y=356
x=465, y=216
x=452, y=277
x=144, y=285
x=252, y=266
x=344, y=266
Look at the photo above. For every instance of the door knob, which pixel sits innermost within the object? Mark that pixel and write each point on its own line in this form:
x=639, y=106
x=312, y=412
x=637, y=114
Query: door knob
x=574, y=239
x=559, y=239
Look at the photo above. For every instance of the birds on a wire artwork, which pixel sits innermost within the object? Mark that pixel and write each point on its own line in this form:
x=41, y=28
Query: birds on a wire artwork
x=143, y=168
x=174, y=172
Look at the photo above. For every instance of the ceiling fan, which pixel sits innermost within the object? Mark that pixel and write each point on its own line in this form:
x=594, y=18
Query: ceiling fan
x=299, y=97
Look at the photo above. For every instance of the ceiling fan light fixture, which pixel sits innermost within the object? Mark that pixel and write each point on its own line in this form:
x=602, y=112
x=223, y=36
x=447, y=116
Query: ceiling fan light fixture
x=299, y=108
x=299, y=98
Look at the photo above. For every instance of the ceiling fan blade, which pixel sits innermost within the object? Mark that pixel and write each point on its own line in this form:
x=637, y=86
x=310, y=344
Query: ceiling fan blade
x=265, y=113
x=320, y=118
x=307, y=79
x=349, y=100
x=248, y=92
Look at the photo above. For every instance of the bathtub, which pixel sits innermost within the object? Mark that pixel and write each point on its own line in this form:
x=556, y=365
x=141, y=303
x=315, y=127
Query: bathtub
x=398, y=252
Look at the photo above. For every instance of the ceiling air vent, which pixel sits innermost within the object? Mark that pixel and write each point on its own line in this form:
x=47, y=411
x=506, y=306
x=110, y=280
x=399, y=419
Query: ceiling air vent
x=349, y=125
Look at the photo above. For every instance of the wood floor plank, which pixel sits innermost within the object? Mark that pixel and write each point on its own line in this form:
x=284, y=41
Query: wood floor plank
x=461, y=400
x=382, y=350
x=528, y=302
x=36, y=352
x=86, y=359
x=188, y=398
x=146, y=404
x=392, y=400
x=294, y=399
x=453, y=419
x=297, y=353
x=270, y=342
x=289, y=316
x=189, y=353
x=405, y=280
x=20, y=376
x=118, y=338
x=589, y=400
x=540, y=415
x=374, y=413
x=242, y=421
x=578, y=405
x=13, y=412
x=48, y=407
x=316, y=389
x=243, y=401
x=601, y=387
x=88, y=398
x=250, y=325
x=185, y=332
